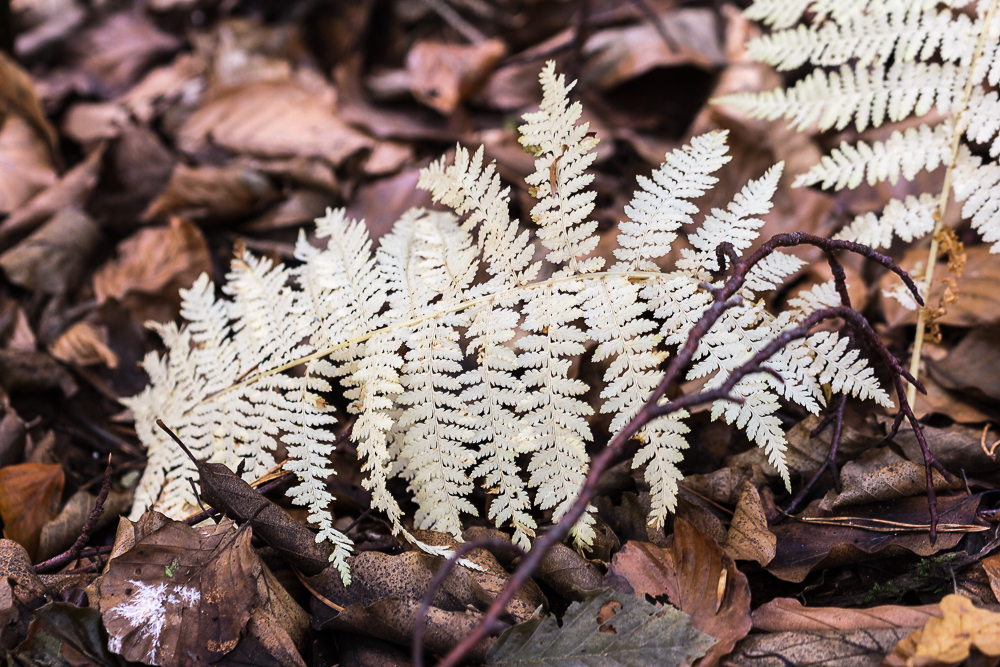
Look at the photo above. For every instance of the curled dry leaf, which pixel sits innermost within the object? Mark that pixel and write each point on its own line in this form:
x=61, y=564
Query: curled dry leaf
x=697, y=577
x=152, y=265
x=62, y=530
x=442, y=75
x=213, y=193
x=29, y=496
x=25, y=163
x=274, y=120
x=180, y=594
x=961, y=631
x=789, y=615
x=84, y=344
x=53, y=258
x=725, y=484
x=748, y=537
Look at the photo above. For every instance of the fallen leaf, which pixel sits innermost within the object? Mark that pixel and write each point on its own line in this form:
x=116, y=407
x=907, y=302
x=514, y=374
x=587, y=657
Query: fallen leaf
x=16, y=567
x=789, y=615
x=803, y=547
x=301, y=207
x=381, y=202
x=64, y=634
x=84, y=344
x=310, y=172
x=18, y=97
x=748, y=537
x=180, y=594
x=361, y=651
x=152, y=265
x=971, y=366
x=567, y=572
x=978, y=303
x=951, y=639
x=630, y=632
x=442, y=75
x=266, y=644
x=388, y=157
x=991, y=564
x=29, y=496
x=70, y=191
x=272, y=120
x=53, y=258
x=857, y=648
x=863, y=483
x=121, y=48
x=15, y=331
x=697, y=577
x=87, y=122
x=25, y=163
x=12, y=628
x=725, y=484
x=955, y=447
x=59, y=533
x=33, y=371
x=164, y=87
x=212, y=193
x=940, y=401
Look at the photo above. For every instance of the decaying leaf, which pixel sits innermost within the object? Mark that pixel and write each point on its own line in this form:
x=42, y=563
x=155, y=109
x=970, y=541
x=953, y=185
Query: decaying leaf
x=880, y=475
x=180, y=594
x=696, y=576
x=18, y=97
x=961, y=631
x=151, y=267
x=857, y=648
x=29, y=496
x=16, y=567
x=789, y=615
x=606, y=628
x=748, y=537
x=63, y=634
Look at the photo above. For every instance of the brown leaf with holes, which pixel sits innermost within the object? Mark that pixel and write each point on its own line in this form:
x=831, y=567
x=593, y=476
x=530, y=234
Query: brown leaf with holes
x=442, y=75
x=152, y=265
x=181, y=594
x=748, y=537
x=789, y=615
x=273, y=119
x=962, y=632
x=212, y=193
x=696, y=576
x=29, y=497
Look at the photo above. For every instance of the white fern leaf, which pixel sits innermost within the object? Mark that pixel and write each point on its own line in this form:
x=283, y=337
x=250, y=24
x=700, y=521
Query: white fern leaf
x=910, y=219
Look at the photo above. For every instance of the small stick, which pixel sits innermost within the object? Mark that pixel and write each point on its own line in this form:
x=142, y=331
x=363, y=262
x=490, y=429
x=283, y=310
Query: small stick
x=74, y=551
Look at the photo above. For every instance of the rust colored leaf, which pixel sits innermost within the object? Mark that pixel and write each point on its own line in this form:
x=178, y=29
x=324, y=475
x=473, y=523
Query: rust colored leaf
x=25, y=163
x=442, y=75
x=748, y=537
x=29, y=497
x=803, y=547
x=152, y=265
x=181, y=594
x=788, y=615
x=697, y=577
x=84, y=344
x=275, y=120
x=212, y=193
x=961, y=631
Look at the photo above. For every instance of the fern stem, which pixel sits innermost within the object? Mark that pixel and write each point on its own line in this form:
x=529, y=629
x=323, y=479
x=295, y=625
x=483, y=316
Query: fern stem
x=918, y=341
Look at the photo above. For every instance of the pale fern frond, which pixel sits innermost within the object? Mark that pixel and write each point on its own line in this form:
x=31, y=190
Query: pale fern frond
x=977, y=185
x=910, y=219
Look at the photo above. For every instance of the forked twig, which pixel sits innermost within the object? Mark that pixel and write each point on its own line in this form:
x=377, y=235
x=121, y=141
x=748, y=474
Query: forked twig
x=725, y=297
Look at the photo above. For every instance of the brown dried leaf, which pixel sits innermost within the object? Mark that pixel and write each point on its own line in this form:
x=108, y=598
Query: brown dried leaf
x=388, y=157
x=955, y=447
x=152, y=265
x=212, y=193
x=978, y=301
x=565, y=571
x=16, y=567
x=33, y=371
x=273, y=120
x=863, y=483
x=25, y=163
x=18, y=97
x=973, y=366
x=803, y=547
x=360, y=651
x=180, y=594
x=991, y=564
x=725, y=484
x=302, y=207
x=120, y=49
x=748, y=537
x=72, y=190
x=266, y=644
x=858, y=648
x=788, y=615
x=961, y=631
x=62, y=530
x=697, y=576
x=53, y=258
x=442, y=75
x=29, y=497
x=86, y=122
x=84, y=344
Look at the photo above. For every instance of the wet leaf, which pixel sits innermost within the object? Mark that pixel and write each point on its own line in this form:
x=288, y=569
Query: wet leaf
x=607, y=628
x=789, y=615
x=63, y=634
x=697, y=577
x=273, y=120
x=29, y=496
x=748, y=537
x=152, y=265
x=442, y=75
x=961, y=631
x=180, y=594
x=857, y=648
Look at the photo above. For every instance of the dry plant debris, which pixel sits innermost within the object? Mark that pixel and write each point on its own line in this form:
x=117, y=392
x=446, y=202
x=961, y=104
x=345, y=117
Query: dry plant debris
x=140, y=142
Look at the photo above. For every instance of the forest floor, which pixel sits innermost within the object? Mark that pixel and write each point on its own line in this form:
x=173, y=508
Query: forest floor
x=140, y=141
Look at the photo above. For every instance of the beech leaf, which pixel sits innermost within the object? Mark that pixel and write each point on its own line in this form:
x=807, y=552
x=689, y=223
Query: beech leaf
x=606, y=629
